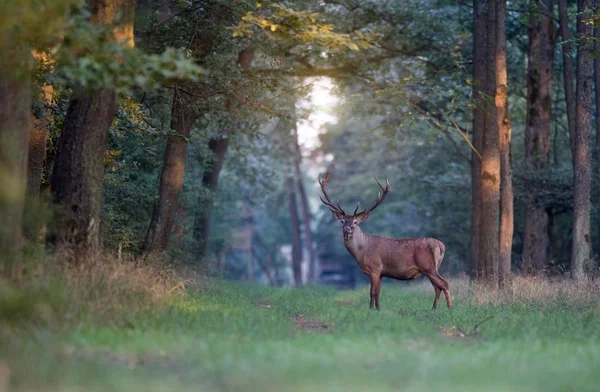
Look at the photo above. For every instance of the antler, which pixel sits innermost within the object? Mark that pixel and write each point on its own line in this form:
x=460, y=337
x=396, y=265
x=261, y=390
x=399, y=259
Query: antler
x=329, y=203
x=380, y=197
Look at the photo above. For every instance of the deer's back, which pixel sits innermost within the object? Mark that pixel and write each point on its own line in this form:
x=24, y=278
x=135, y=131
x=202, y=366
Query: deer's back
x=407, y=258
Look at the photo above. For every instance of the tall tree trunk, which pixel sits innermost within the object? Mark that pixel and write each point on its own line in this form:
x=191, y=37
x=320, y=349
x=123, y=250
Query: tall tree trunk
x=78, y=172
x=597, y=89
x=296, y=240
x=568, y=73
x=15, y=112
x=504, y=127
x=183, y=117
x=210, y=180
x=537, y=132
x=582, y=169
x=312, y=267
x=250, y=250
x=490, y=163
x=479, y=75
x=218, y=146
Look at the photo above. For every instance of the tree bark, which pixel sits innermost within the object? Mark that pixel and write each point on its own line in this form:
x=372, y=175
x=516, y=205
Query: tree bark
x=597, y=90
x=490, y=163
x=306, y=218
x=504, y=128
x=582, y=170
x=15, y=113
x=183, y=117
x=537, y=132
x=296, y=240
x=568, y=73
x=479, y=75
x=78, y=172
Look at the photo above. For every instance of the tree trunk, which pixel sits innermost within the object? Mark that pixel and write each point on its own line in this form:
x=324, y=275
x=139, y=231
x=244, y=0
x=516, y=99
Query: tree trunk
x=218, y=147
x=183, y=117
x=78, y=172
x=537, y=132
x=296, y=240
x=582, y=169
x=479, y=74
x=490, y=163
x=249, y=234
x=15, y=113
x=597, y=89
x=312, y=267
x=504, y=128
x=568, y=74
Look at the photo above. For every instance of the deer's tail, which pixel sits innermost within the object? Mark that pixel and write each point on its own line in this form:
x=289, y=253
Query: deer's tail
x=438, y=254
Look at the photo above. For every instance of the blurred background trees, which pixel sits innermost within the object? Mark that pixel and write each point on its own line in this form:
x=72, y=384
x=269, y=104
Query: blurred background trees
x=195, y=130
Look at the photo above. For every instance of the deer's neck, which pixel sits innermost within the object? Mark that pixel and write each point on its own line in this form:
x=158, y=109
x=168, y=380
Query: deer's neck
x=356, y=243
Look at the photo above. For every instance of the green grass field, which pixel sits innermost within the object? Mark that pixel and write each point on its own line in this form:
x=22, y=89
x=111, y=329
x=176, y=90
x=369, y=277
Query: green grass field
x=236, y=337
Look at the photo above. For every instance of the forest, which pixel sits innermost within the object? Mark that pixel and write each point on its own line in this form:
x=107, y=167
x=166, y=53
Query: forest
x=169, y=170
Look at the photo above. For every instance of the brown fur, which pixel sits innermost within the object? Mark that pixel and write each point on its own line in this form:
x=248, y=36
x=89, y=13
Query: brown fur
x=401, y=259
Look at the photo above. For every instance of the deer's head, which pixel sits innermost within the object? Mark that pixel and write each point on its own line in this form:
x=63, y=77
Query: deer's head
x=350, y=222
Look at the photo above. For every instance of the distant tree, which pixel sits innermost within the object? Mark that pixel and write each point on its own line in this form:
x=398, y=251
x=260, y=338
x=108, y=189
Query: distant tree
x=504, y=127
x=540, y=63
x=306, y=215
x=568, y=73
x=15, y=112
x=479, y=80
x=296, y=240
x=582, y=161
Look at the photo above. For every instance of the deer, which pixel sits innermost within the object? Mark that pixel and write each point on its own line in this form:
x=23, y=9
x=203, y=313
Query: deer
x=383, y=257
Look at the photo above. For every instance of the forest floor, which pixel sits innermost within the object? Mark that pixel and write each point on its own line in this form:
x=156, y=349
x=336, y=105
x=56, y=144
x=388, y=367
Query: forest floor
x=230, y=337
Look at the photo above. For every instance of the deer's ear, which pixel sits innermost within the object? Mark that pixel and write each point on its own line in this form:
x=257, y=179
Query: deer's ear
x=337, y=215
x=361, y=217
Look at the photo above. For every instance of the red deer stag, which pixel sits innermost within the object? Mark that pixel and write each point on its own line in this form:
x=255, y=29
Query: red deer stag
x=379, y=257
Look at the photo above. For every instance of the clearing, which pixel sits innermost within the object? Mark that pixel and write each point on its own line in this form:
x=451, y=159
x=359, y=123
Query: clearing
x=229, y=337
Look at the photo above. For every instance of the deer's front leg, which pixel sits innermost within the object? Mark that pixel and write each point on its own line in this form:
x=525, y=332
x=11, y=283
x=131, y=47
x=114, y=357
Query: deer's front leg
x=375, y=286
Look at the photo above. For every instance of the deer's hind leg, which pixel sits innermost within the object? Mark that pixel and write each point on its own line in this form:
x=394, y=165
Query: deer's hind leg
x=439, y=284
x=437, y=296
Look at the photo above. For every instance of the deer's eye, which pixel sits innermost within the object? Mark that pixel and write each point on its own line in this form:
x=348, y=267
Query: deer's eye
x=354, y=222
x=343, y=221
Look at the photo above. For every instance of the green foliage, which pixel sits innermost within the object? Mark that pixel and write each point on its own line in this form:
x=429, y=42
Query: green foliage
x=280, y=22
x=86, y=56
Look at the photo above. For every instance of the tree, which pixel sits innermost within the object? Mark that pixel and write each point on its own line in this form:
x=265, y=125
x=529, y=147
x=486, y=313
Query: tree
x=504, y=127
x=490, y=161
x=537, y=132
x=15, y=112
x=296, y=240
x=183, y=118
x=479, y=80
x=218, y=146
x=306, y=216
x=568, y=74
x=582, y=160
x=78, y=174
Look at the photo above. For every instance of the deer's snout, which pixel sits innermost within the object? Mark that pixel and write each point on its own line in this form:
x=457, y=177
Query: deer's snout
x=347, y=229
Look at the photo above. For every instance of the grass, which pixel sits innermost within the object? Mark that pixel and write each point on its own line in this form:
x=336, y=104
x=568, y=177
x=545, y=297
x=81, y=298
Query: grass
x=539, y=335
